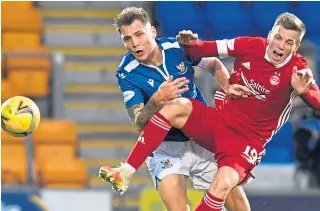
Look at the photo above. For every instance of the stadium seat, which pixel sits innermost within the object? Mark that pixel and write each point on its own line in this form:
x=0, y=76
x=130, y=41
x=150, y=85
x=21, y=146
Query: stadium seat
x=64, y=173
x=9, y=5
x=308, y=12
x=13, y=161
x=40, y=61
x=19, y=17
x=8, y=139
x=263, y=14
x=32, y=83
x=53, y=139
x=278, y=155
x=20, y=41
x=236, y=22
x=46, y=151
x=55, y=132
x=7, y=90
x=192, y=20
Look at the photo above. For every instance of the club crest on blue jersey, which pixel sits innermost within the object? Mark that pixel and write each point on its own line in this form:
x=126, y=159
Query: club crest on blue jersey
x=182, y=68
x=166, y=164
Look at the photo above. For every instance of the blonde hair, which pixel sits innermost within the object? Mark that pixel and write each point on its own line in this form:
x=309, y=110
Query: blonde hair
x=130, y=14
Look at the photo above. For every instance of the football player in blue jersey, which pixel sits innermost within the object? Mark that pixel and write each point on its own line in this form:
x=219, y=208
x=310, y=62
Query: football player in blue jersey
x=156, y=70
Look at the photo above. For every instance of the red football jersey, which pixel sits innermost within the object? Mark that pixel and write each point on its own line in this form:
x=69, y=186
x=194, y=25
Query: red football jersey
x=261, y=115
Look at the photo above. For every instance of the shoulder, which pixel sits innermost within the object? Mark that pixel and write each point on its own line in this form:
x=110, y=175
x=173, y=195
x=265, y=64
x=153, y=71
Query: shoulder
x=256, y=42
x=300, y=61
x=252, y=40
x=168, y=43
x=127, y=64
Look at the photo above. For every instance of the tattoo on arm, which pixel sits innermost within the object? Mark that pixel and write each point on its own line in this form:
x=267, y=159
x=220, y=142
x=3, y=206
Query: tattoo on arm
x=140, y=114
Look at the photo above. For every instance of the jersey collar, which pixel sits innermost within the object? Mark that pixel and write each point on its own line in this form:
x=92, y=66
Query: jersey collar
x=266, y=56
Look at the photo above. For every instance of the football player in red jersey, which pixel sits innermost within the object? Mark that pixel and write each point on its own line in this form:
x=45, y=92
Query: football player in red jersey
x=239, y=129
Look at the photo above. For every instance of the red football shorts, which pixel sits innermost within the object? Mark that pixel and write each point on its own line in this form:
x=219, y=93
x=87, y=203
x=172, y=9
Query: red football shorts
x=208, y=129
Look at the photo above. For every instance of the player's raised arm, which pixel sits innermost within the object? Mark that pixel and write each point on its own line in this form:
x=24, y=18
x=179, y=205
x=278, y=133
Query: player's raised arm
x=219, y=48
x=302, y=81
x=217, y=69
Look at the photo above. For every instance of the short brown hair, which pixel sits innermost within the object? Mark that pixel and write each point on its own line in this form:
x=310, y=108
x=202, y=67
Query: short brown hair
x=130, y=14
x=291, y=22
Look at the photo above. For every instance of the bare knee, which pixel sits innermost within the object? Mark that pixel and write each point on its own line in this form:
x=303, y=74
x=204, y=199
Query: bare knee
x=177, y=108
x=221, y=186
x=226, y=179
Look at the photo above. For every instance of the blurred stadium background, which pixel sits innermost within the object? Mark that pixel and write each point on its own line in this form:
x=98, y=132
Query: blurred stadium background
x=64, y=55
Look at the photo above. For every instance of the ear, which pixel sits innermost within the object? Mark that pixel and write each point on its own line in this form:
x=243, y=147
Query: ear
x=297, y=47
x=154, y=32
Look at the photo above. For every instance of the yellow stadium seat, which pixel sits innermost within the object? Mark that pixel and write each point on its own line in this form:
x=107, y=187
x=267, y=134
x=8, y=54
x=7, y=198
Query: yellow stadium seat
x=13, y=5
x=20, y=16
x=13, y=163
x=33, y=83
x=64, y=173
x=7, y=90
x=55, y=131
x=8, y=139
x=15, y=62
x=46, y=151
x=20, y=41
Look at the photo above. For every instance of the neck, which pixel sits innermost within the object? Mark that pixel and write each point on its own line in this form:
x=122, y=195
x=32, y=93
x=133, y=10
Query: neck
x=155, y=57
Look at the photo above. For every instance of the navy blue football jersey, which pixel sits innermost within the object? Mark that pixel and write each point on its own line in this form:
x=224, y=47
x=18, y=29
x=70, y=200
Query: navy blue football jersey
x=138, y=82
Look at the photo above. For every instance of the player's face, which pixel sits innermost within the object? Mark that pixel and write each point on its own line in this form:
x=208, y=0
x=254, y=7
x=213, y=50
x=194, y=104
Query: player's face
x=139, y=39
x=282, y=42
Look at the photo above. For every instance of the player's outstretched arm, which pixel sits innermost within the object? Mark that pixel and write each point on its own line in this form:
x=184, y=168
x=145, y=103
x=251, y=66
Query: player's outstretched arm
x=303, y=83
x=140, y=114
x=196, y=47
x=219, y=48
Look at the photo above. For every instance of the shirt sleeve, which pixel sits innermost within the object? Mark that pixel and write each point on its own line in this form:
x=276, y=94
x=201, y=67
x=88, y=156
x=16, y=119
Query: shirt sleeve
x=219, y=48
x=132, y=95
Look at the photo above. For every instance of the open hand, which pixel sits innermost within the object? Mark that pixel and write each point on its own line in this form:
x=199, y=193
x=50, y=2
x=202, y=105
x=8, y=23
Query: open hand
x=237, y=91
x=300, y=81
x=172, y=89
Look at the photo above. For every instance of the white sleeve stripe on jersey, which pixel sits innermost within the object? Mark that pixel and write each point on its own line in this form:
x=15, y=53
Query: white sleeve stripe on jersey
x=230, y=44
x=220, y=96
x=204, y=63
x=221, y=93
x=168, y=45
x=133, y=64
x=222, y=48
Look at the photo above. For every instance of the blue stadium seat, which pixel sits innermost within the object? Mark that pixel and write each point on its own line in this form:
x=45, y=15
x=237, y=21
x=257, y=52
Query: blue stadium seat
x=264, y=14
x=278, y=155
x=284, y=137
x=171, y=23
x=309, y=13
x=228, y=19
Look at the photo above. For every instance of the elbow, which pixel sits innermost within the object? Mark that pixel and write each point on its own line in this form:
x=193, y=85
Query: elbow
x=138, y=125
